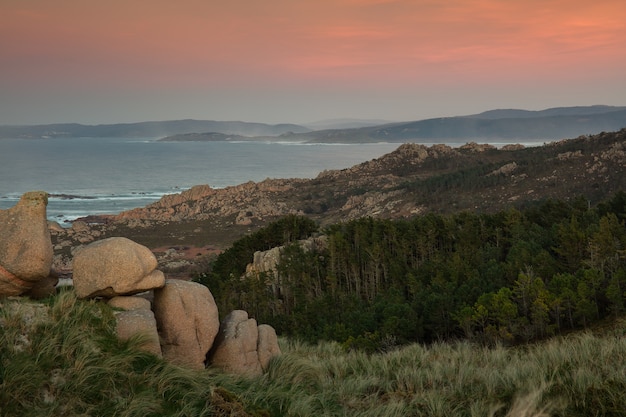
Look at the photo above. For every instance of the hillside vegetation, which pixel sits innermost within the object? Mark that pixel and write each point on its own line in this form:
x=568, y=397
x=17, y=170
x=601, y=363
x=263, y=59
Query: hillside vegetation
x=507, y=277
x=62, y=358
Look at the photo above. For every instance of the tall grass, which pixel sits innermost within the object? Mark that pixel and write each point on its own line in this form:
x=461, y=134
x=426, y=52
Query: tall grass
x=63, y=358
x=578, y=375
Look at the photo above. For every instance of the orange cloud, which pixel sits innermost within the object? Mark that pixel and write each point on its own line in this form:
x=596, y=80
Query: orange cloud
x=371, y=41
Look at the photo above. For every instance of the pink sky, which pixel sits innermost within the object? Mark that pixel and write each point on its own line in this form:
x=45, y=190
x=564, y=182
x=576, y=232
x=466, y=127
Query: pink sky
x=300, y=61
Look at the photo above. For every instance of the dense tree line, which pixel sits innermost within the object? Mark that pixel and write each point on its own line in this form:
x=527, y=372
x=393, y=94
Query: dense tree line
x=231, y=264
x=512, y=276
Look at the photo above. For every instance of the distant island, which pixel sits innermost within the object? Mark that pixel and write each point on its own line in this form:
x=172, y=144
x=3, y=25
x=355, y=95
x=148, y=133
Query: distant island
x=148, y=129
x=505, y=125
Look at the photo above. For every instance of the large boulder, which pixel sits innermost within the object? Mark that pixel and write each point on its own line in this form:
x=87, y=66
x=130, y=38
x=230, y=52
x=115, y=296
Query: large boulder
x=187, y=320
x=267, y=346
x=235, y=348
x=130, y=303
x=136, y=319
x=25, y=245
x=115, y=266
x=139, y=322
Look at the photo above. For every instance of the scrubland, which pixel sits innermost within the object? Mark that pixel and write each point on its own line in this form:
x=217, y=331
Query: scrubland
x=61, y=357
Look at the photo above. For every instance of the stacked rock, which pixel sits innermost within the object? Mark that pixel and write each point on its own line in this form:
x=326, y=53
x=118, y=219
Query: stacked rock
x=25, y=245
x=136, y=318
x=115, y=266
x=181, y=323
x=188, y=320
x=242, y=347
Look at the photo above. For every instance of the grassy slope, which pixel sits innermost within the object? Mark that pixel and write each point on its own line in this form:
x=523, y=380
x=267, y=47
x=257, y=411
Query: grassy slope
x=62, y=358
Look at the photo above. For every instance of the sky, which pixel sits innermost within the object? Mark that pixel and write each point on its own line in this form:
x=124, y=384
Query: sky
x=297, y=61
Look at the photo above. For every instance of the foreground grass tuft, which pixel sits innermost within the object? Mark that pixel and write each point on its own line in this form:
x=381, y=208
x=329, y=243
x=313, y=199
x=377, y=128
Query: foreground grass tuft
x=62, y=358
x=578, y=375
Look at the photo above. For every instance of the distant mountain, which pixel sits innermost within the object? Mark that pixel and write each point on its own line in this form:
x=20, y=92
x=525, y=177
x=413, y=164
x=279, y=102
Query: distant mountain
x=495, y=125
x=345, y=123
x=504, y=125
x=149, y=129
x=203, y=137
x=556, y=111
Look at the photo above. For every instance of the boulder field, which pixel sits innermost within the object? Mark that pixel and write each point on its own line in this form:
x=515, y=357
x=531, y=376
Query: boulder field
x=178, y=320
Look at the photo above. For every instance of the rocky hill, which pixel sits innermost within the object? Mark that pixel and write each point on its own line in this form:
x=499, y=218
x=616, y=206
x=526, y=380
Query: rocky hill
x=412, y=180
x=415, y=179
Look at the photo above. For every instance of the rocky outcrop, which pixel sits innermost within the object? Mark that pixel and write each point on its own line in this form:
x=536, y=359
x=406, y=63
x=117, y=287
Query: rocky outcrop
x=385, y=169
x=242, y=347
x=180, y=325
x=413, y=179
x=130, y=303
x=25, y=245
x=371, y=204
x=267, y=346
x=202, y=203
x=115, y=266
x=505, y=170
x=513, y=147
x=188, y=320
x=267, y=261
x=136, y=320
x=477, y=147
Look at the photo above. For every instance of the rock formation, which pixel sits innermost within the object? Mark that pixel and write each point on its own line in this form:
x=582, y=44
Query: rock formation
x=130, y=303
x=115, y=266
x=137, y=320
x=182, y=323
x=267, y=346
x=235, y=348
x=188, y=321
x=255, y=200
x=25, y=245
x=266, y=262
x=242, y=347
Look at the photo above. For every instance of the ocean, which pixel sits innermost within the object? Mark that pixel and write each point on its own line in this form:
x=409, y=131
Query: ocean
x=87, y=176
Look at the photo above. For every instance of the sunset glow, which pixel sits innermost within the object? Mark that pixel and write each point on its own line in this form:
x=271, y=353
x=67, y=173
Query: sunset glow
x=295, y=61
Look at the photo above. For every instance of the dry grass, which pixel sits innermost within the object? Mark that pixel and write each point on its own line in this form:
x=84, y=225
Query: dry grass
x=62, y=358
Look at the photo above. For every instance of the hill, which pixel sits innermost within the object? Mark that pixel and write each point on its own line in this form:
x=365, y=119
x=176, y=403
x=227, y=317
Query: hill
x=415, y=179
x=506, y=126
x=148, y=129
x=555, y=111
x=497, y=125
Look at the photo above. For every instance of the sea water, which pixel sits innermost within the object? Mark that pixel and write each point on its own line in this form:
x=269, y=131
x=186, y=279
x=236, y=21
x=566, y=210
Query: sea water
x=87, y=176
